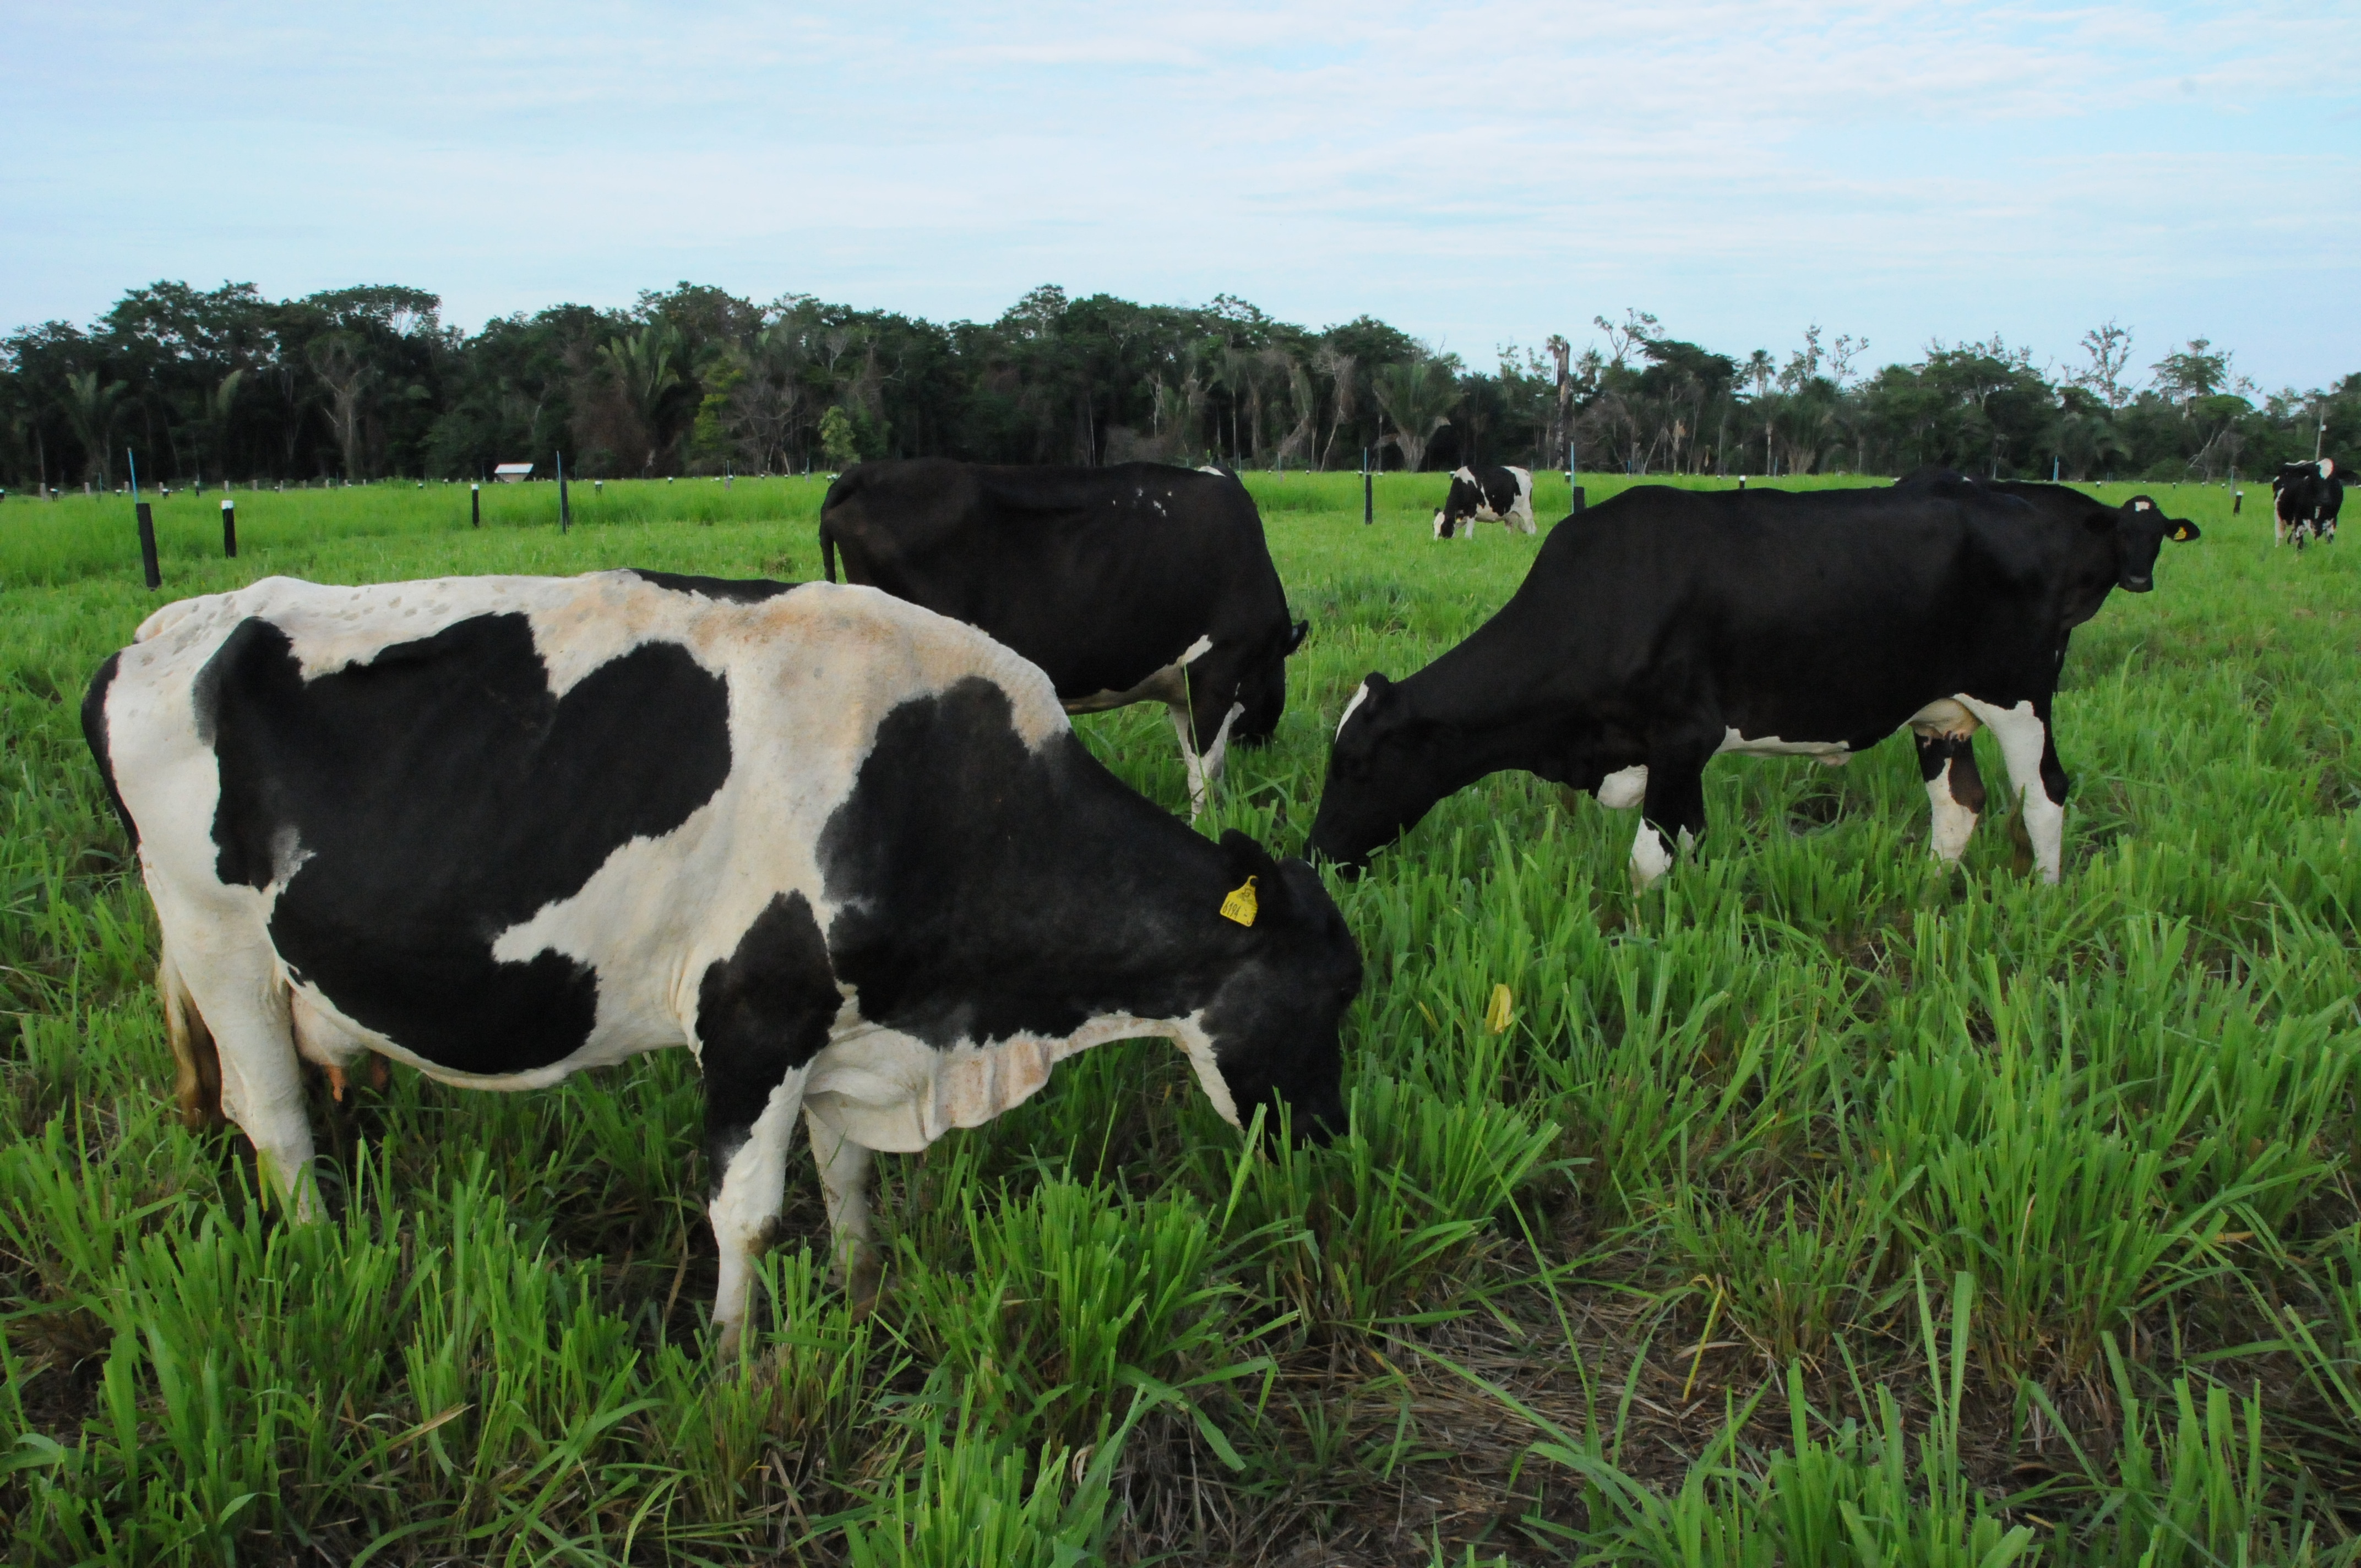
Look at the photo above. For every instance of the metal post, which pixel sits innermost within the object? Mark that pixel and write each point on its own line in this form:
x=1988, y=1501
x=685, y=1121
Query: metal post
x=475, y=505
x=565, y=512
x=1369, y=491
x=229, y=528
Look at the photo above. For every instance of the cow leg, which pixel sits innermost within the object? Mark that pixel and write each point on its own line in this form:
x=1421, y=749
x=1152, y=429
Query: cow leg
x=844, y=1185
x=1673, y=810
x=751, y=1158
x=1205, y=770
x=2034, y=773
x=237, y=995
x=1955, y=792
x=196, y=1061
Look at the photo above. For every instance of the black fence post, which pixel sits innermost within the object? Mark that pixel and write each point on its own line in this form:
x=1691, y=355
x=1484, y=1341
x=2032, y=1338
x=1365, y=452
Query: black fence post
x=1369, y=491
x=564, y=511
x=229, y=528
x=147, y=545
x=475, y=505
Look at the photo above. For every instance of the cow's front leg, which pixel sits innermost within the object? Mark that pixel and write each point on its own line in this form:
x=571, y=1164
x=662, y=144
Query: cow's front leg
x=1672, y=813
x=2035, y=775
x=1205, y=767
x=844, y=1186
x=1955, y=791
x=750, y=1160
x=231, y=989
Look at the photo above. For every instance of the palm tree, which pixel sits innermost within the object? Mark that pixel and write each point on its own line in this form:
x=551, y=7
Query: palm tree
x=90, y=408
x=647, y=370
x=1418, y=395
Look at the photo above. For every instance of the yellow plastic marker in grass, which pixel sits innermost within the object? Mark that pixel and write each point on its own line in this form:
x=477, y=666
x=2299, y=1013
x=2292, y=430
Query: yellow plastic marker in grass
x=1240, y=904
x=1496, y=1016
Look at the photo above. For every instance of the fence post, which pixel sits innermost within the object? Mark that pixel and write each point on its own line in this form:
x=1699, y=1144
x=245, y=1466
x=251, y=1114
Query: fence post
x=565, y=512
x=147, y=544
x=475, y=505
x=229, y=528
x=1369, y=491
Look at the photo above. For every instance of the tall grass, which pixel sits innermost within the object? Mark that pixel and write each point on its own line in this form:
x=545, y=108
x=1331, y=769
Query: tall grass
x=1825, y=1205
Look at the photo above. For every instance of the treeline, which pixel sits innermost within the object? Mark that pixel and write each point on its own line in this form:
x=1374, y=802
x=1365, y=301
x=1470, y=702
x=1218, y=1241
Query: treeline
x=368, y=383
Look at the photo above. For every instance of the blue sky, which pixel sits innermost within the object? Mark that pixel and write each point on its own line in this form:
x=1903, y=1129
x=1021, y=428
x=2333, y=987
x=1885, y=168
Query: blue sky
x=1476, y=176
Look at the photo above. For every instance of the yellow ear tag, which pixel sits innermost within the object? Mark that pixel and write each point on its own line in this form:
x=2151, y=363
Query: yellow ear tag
x=1496, y=1017
x=1240, y=906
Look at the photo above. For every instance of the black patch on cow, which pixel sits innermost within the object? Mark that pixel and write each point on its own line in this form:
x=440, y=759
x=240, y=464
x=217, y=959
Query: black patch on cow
x=761, y=1013
x=728, y=590
x=94, y=734
x=987, y=890
x=438, y=794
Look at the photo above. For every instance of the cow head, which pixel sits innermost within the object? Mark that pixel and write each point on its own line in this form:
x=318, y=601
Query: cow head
x=1263, y=688
x=1274, y=1021
x=1385, y=772
x=2140, y=528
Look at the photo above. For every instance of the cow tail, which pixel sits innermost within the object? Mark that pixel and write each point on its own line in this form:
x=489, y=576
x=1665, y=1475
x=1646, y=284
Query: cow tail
x=827, y=551
x=196, y=1060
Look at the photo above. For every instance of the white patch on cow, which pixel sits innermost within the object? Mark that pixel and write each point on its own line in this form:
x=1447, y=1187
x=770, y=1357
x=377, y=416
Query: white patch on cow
x=1834, y=752
x=1650, y=857
x=1953, y=823
x=1946, y=717
x=1167, y=684
x=752, y=1189
x=1625, y=788
x=885, y=1089
x=2022, y=738
x=1360, y=695
x=2327, y=467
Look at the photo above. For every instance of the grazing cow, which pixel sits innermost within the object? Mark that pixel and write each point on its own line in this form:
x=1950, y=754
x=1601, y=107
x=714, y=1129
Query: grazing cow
x=1486, y=495
x=1135, y=582
x=1676, y=625
x=846, y=849
x=2305, y=498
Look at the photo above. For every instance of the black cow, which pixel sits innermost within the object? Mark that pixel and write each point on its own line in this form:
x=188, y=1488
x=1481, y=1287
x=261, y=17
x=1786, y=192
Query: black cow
x=1136, y=583
x=1486, y=495
x=1674, y=625
x=846, y=849
x=2305, y=498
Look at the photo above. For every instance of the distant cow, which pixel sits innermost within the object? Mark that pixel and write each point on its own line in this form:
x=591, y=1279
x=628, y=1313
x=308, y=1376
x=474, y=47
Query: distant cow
x=1676, y=625
x=1135, y=582
x=2305, y=498
x=1486, y=495
x=846, y=849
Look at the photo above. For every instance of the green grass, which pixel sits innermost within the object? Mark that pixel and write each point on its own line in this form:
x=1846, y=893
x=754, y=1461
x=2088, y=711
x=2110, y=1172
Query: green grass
x=1823, y=1205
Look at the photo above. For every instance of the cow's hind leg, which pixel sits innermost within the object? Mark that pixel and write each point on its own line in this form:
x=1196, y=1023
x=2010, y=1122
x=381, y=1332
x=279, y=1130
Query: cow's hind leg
x=1955, y=791
x=844, y=1185
x=2035, y=775
x=196, y=1061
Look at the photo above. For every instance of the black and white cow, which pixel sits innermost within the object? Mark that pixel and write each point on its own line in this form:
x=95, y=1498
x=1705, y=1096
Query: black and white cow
x=1135, y=583
x=1674, y=625
x=1486, y=495
x=2305, y=500
x=846, y=849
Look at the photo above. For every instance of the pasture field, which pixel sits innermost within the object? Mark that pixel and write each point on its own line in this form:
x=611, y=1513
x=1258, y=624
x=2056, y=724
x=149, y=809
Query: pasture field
x=1822, y=1206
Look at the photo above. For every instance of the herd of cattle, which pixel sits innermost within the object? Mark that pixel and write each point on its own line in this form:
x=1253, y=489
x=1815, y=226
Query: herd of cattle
x=842, y=841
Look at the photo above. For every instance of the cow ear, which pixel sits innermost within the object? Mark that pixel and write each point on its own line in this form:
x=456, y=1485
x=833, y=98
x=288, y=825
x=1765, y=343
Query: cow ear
x=1248, y=858
x=1295, y=639
x=2183, y=531
x=1376, y=686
